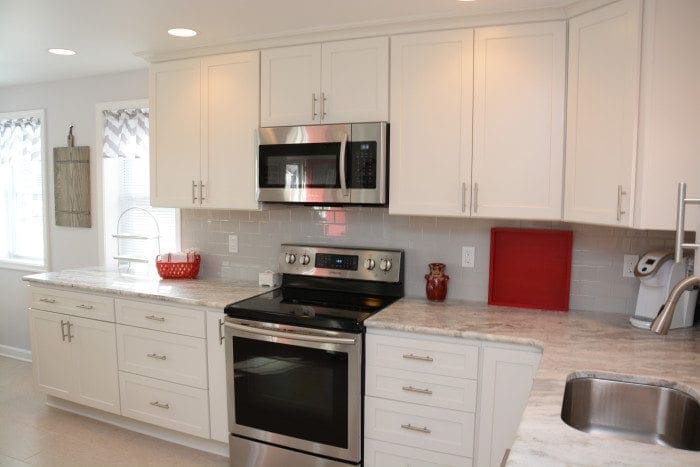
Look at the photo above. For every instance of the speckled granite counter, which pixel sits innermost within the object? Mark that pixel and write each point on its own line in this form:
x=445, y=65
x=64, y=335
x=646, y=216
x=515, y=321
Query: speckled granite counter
x=212, y=293
x=587, y=343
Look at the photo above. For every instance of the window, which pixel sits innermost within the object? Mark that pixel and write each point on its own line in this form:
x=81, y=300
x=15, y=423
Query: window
x=135, y=232
x=22, y=229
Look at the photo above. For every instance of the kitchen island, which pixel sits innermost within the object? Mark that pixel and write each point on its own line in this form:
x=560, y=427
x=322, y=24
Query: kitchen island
x=573, y=344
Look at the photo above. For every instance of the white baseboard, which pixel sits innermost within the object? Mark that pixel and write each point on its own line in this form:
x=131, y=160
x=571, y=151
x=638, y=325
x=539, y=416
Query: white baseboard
x=16, y=353
x=194, y=442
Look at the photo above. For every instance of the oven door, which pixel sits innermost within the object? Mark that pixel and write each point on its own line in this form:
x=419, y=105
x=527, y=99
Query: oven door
x=295, y=387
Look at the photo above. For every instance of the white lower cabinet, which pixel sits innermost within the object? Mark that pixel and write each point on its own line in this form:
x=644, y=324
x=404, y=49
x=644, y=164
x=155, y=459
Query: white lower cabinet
x=216, y=353
x=424, y=417
x=175, y=406
x=75, y=359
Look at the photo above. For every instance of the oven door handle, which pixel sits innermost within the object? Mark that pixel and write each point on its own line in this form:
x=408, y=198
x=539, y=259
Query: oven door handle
x=341, y=164
x=290, y=335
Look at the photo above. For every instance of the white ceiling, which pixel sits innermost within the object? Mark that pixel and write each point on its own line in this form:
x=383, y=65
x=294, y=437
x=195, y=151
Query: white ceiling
x=107, y=33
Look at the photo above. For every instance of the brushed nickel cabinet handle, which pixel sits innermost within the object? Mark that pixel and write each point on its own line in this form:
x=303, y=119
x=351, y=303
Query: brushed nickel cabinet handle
x=464, y=197
x=476, y=197
x=425, y=358
x=68, y=334
x=422, y=429
x=194, y=194
x=85, y=307
x=418, y=390
x=323, y=105
x=63, y=331
x=156, y=356
x=47, y=300
x=155, y=318
x=162, y=405
x=620, y=192
x=313, y=106
x=202, y=198
x=221, y=331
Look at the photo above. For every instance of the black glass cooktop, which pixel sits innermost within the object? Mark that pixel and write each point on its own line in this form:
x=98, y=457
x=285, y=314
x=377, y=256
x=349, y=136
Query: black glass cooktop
x=342, y=311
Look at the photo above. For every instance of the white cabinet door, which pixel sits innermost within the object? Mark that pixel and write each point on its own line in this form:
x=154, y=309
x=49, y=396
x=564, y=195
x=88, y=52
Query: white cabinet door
x=230, y=115
x=519, y=86
x=669, y=125
x=602, y=113
x=431, y=122
x=174, y=128
x=216, y=353
x=290, y=81
x=355, y=81
x=94, y=364
x=51, y=357
x=506, y=381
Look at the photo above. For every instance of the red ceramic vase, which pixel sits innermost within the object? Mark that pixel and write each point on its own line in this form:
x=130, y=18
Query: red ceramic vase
x=436, y=282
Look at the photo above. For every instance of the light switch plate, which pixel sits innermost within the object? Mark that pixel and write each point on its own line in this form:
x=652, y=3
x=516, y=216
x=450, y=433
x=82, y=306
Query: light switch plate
x=233, y=243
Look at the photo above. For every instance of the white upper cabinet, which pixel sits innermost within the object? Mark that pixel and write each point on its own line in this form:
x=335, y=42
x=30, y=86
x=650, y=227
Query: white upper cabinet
x=230, y=100
x=355, y=81
x=669, y=129
x=602, y=114
x=519, y=88
x=204, y=114
x=333, y=82
x=431, y=122
x=291, y=85
x=174, y=132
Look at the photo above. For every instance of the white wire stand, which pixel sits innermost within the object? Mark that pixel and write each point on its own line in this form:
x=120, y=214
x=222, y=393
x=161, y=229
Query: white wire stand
x=683, y=202
x=124, y=261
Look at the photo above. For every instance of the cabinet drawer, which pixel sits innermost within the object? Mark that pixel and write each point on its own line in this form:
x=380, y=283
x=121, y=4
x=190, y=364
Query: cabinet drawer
x=381, y=454
x=169, y=405
x=431, y=428
x=170, y=357
x=73, y=303
x=161, y=317
x=439, y=358
x=421, y=388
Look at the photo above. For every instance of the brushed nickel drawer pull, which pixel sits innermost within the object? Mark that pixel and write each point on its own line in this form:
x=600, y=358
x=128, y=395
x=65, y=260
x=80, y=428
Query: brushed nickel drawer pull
x=68, y=334
x=63, y=331
x=221, y=331
x=155, y=318
x=85, y=307
x=160, y=404
x=422, y=429
x=418, y=390
x=410, y=356
x=155, y=355
x=47, y=300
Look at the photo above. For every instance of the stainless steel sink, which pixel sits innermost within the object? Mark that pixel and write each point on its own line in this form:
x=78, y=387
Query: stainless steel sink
x=640, y=412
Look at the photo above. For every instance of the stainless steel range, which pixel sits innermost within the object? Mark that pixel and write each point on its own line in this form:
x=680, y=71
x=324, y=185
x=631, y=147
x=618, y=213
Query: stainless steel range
x=294, y=357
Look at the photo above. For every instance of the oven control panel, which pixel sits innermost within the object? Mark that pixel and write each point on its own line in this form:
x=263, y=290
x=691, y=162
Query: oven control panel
x=345, y=263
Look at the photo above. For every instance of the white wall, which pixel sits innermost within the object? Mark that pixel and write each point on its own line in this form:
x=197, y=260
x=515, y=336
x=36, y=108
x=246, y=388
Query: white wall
x=68, y=101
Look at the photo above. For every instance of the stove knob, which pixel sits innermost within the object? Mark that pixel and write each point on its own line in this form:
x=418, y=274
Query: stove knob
x=290, y=258
x=369, y=264
x=385, y=265
x=305, y=259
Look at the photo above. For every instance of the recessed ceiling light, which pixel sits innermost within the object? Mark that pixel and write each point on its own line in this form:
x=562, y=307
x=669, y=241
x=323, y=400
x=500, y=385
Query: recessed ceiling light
x=182, y=32
x=62, y=51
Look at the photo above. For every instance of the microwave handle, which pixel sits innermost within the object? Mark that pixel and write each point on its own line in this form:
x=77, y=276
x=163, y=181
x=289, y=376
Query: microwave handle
x=341, y=165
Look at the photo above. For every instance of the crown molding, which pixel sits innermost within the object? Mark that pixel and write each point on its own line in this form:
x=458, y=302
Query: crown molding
x=359, y=30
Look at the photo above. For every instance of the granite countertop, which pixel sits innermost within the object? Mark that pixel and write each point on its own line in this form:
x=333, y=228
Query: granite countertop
x=580, y=343
x=211, y=293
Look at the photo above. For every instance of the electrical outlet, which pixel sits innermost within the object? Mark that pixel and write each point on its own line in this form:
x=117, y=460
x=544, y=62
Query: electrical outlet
x=628, y=265
x=233, y=243
x=468, y=256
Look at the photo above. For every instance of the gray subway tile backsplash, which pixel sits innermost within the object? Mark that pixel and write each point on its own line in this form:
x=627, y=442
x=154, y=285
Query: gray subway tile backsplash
x=597, y=282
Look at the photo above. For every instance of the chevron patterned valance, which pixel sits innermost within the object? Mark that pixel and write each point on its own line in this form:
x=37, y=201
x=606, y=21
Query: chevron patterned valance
x=125, y=133
x=20, y=138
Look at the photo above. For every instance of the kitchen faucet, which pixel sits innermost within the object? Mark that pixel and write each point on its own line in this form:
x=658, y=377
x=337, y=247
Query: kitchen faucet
x=662, y=322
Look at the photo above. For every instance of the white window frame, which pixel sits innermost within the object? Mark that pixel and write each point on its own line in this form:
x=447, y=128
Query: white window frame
x=23, y=265
x=99, y=143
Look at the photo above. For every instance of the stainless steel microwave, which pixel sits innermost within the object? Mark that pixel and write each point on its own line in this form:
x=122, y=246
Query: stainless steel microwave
x=323, y=164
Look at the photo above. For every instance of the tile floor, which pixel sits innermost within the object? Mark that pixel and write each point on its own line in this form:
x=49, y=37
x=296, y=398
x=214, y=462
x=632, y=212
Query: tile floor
x=32, y=433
